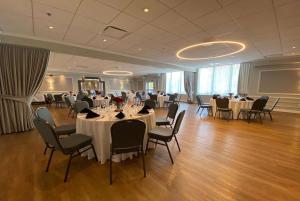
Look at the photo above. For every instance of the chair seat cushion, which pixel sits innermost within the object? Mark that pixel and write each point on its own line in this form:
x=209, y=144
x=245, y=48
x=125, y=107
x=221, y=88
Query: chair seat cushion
x=160, y=133
x=74, y=142
x=162, y=121
x=65, y=129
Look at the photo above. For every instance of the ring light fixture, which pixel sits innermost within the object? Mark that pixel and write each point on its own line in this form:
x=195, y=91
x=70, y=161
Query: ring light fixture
x=117, y=73
x=242, y=47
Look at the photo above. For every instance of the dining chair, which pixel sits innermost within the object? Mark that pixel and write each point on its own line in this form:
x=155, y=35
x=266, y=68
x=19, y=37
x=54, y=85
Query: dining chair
x=177, y=98
x=172, y=98
x=127, y=136
x=124, y=96
x=256, y=109
x=169, y=119
x=70, y=104
x=270, y=110
x=150, y=103
x=153, y=97
x=161, y=135
x=58, y=99
x=43, y=113
x=222, y=105
x=202, y=105
x=89, y=100
x=73, y=145
x=80, y=105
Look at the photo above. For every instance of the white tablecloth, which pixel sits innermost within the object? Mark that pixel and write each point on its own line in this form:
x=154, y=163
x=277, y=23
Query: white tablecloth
x=161, y=99
x=99, y=129
x=235, y=104
x=101, y=101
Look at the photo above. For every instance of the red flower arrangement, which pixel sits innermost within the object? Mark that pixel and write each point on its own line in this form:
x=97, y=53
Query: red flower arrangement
x=118, y=101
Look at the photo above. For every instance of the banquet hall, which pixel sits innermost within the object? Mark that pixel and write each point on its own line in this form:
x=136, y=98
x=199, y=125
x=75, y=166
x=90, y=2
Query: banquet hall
x=187, y=100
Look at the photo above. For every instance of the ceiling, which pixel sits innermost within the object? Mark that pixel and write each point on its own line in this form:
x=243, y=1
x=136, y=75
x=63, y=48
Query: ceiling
x=269, y=28
x=69, y=63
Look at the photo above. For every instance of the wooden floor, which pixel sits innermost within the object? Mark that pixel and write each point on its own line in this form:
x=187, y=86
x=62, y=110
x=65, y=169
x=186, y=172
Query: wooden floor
x=219, y=160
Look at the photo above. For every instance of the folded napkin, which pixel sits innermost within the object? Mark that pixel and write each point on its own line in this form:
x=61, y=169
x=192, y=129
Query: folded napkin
x=144, y=110
x=105, y=97
x=85, y=110
x=236, y=96
x=242, y=99
x=164, y=95
x=91, y=114
x=120, y=115
x=94, y=97
x=248, y=98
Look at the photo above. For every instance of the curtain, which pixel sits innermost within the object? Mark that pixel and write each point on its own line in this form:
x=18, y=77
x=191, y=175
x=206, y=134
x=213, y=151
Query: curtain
x=22, y=70
x=175, y=82
x=189, y=85
x=244, y=78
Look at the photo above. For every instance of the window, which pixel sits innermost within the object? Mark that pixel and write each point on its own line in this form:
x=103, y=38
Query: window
x=150, y=87
x=175, y=83
x=218, y=79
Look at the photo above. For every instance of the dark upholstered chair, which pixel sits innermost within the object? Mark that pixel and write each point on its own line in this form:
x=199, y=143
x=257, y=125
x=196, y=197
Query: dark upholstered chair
x=256, y=109
x=161, y=135
x=44, y=114
x=127, y=136
x=89, y=101
x=202, y=105
x=73, y=145
x=70, y=103
x=169, y=119
x=270, y=110
x=223, y=106
x=150, y=103
x=80, y=105
x=172, y=98
x=58, y=99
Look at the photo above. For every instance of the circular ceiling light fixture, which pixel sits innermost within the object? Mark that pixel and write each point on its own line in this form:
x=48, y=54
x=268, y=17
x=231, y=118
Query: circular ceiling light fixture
x=117, y=72
x=146, y=10
x=242, y=46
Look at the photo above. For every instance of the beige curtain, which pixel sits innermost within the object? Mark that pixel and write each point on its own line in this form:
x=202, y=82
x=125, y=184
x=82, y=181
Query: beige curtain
x=244, y=74
x=189, y=85
x=22, y=70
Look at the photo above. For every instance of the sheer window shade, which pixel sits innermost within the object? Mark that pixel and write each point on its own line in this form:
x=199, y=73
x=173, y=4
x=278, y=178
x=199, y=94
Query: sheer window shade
x=175, y=82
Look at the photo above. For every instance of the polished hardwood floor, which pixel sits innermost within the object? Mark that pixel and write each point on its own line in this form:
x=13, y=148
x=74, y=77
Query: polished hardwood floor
x=220, y=160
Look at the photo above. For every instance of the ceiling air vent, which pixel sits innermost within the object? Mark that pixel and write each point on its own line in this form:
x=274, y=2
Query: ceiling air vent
x=114, y=32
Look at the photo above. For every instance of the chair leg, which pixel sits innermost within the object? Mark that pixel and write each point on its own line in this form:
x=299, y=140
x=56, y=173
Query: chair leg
x=215, y=114
x=249, y=117
x=110, y=169
x=270, y=116
x=147, y=146
x=260, y=118
x=201, y=111
x=231, y=114
x=238, y=117
x=198, y=109
x=177, y=143
x=50, y=158
x=68, y=168
x=96, y=158
x=45, y=150
x=144, y=165
x=169, y=153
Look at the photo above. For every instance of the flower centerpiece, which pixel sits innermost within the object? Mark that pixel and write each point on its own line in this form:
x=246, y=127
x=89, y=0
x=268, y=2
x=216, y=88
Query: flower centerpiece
x=119, y=103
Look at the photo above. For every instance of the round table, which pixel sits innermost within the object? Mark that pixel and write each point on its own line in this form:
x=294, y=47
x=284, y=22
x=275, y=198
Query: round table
x=99, y=129
x=235, y=104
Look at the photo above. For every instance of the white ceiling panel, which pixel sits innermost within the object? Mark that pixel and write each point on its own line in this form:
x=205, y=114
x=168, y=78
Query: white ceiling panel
x=42, y=30
x=171, y=3
x=16, y=7
x=61, y=4
x=97, y=11
x=213, y=19
x=193, y=9
x=16, y=24
x=101, y=42
x=118, y=4
x=127, y=22
x=136, y=8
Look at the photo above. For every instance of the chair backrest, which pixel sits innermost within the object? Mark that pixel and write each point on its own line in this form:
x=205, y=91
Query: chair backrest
x=222, y=102
x=127, y=135
x=71, y=99
x=50, y=97
x=79, y=96
x=44, y=114
x=47, y=132
x=58, y=97
x=150, y=103
x=172, y=97
x=265, y=97
x=172, y=111
x=67, y=100
x=178, y=122
x=259, y=104
x=80, y=105
x=153, y=97
x=89, y=100
x=275, y=103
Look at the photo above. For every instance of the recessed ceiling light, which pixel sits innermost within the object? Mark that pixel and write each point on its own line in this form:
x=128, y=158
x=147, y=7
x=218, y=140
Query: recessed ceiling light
x=179, y=52
x=51, y=27
x=140, y=49
x=294, y=47
x=104, y=40
x=117, y=73
x=146, y=10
